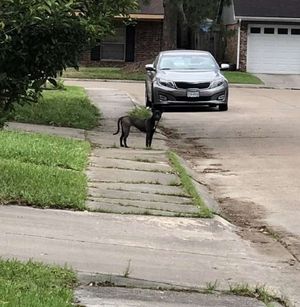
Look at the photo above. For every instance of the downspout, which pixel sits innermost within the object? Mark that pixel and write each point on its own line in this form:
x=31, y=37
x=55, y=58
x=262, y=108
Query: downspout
x=238, y=46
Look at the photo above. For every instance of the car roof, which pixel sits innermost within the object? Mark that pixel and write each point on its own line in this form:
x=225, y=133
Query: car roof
x=178, y=51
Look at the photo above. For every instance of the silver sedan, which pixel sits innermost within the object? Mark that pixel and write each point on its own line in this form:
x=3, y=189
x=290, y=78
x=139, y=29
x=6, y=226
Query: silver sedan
x=186, y=80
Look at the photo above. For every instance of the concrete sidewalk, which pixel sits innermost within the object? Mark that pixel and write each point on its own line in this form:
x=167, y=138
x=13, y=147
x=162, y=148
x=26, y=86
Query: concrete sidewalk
x=280, y=81
x=183, y=252
x=177, y=251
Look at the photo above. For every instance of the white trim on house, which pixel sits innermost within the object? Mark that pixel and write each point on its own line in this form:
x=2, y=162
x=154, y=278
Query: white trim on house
x=238, y=46
x=270, y=19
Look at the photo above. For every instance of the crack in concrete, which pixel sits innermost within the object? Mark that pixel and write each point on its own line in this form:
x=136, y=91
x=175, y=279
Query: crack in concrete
x=264, y=264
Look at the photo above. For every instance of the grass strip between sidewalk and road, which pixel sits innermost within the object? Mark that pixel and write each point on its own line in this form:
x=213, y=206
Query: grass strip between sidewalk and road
x=42, y=170
x=34, y=285
x=69, y=107
x=116, y=73
x=188, y=185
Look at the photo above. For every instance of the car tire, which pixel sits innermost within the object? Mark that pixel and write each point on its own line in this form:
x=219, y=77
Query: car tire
x=223, y=107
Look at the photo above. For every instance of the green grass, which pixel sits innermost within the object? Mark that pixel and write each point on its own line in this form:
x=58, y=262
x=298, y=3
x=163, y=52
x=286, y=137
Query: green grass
x=258, y=292
x=44, y=150
x=241, y=77
x=119, y=74
x=140, y=112
x=188, y=186
x=109, y=73
x=35, y=285
x=63, y=108
x=43, y=171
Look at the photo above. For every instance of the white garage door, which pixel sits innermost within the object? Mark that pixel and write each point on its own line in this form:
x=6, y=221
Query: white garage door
x=273, y=49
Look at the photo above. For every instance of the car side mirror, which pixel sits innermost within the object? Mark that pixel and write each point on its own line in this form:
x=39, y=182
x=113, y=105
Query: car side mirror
x=224, y=66
x=150, y=67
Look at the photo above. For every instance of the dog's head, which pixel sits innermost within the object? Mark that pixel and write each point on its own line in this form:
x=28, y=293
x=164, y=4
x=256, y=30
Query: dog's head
x=156, y=115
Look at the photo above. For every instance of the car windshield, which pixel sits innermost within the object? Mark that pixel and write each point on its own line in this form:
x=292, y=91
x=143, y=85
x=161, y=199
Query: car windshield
x=187, y=62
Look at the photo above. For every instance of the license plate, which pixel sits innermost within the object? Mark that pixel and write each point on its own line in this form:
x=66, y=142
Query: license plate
x=193, y=94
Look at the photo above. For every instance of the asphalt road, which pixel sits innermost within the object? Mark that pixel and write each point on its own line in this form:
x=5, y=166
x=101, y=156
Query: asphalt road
x=248, y=156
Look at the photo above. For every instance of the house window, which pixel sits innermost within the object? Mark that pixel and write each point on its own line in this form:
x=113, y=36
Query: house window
x=255, y=30
x=295, y=32
x=283, y=31
x=113, y=47
x=269, y=30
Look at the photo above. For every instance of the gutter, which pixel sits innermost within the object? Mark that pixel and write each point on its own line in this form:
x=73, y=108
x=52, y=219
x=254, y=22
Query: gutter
x=283, y=19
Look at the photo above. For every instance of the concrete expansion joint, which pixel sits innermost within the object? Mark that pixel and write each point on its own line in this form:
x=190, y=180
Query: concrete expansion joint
x=284, y=244
x=120, y=281
x=97, y=281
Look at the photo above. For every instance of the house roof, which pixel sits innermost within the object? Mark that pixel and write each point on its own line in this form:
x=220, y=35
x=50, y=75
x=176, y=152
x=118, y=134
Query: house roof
x=267, y=8
x=149, y=10
x=154, y=7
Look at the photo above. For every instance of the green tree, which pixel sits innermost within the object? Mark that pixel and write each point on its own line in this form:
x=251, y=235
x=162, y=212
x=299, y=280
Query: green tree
x=189, y=13
x=40, y=38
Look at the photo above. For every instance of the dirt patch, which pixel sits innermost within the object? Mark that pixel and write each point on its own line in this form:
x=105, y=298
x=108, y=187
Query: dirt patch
x=249, y=217
x=241, y=213
x=188, y=148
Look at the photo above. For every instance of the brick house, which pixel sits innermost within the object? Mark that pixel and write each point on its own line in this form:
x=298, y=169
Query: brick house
x=263, y=36
x=139, y=41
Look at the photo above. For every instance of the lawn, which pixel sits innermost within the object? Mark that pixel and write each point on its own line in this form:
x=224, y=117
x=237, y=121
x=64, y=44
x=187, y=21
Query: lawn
x=35, y=285
x=43, y=171
x=109, y=73
x=119, y=74
x=241, y=77
x=63, y=108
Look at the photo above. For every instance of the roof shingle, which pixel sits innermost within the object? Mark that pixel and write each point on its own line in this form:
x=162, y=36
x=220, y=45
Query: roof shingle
x=267, y=8
x=154, y=7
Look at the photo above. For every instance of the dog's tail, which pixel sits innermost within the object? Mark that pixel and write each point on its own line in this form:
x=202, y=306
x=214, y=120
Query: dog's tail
x=119, y=121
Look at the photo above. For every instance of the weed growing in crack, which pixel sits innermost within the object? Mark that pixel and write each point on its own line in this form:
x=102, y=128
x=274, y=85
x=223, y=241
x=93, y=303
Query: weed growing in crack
x=128, y=270
x=211, y=287
x=258, y=292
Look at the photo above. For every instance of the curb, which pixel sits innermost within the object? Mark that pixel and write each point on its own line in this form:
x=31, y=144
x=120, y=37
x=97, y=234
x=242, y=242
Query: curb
x=261, y=86
x=202, y=190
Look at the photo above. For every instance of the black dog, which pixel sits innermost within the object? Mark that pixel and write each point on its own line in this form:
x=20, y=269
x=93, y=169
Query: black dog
x=145, y=125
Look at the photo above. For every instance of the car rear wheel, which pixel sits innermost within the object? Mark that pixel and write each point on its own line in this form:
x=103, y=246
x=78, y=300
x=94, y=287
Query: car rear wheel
x=223, y=107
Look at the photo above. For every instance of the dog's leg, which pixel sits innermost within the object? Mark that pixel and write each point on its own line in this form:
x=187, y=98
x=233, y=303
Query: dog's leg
x=126, y=133
x=148, y=139
x=122, y=135
x=151, y=137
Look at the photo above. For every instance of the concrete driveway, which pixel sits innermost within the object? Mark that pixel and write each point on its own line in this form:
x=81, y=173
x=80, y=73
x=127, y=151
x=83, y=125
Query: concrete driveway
x=248, y=157
x=280, y=81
